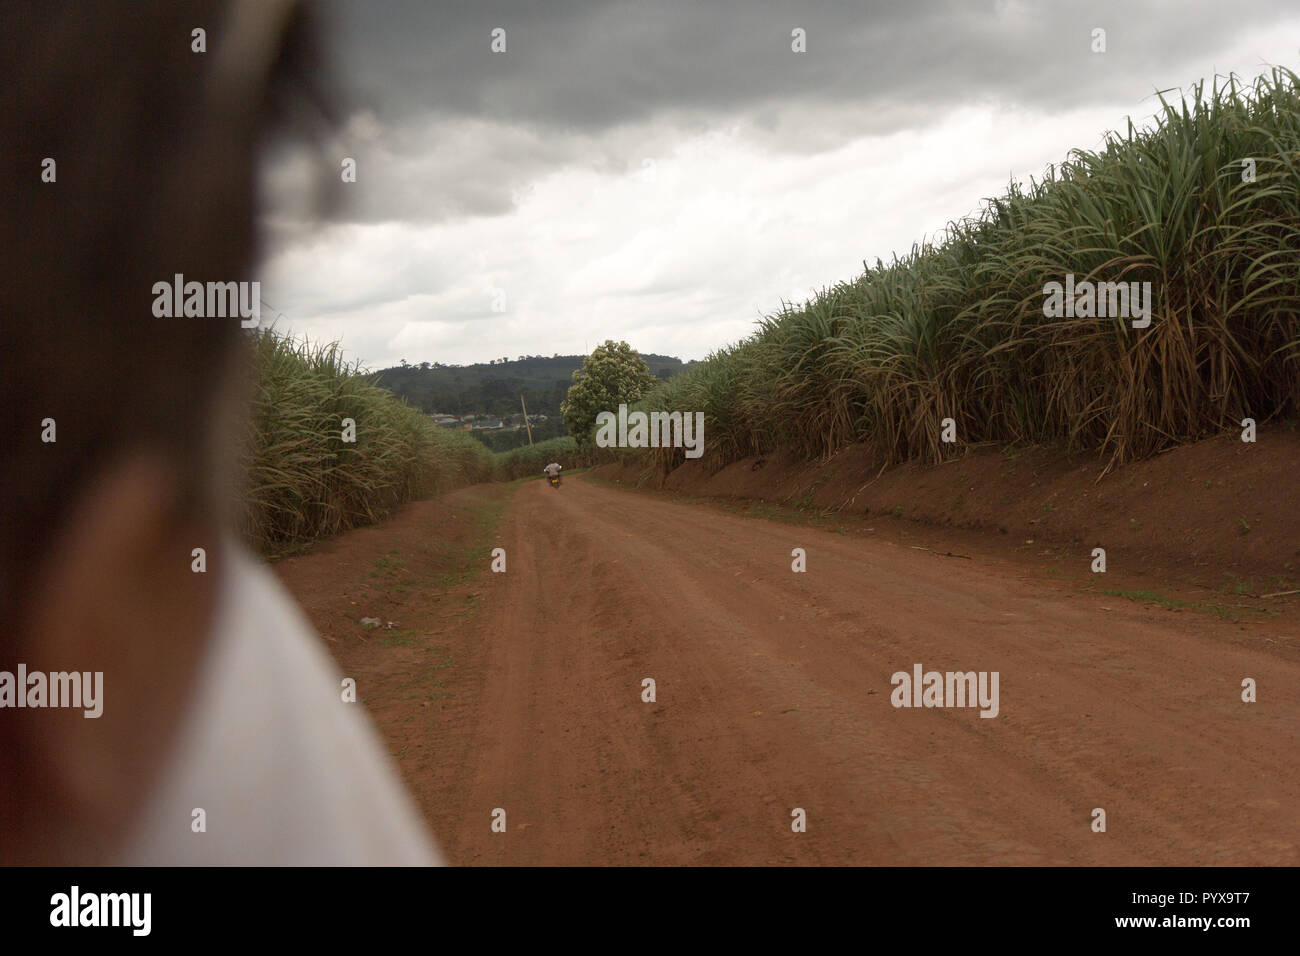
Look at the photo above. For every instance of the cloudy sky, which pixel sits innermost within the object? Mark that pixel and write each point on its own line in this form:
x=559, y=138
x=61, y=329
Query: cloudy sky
x=666, y=172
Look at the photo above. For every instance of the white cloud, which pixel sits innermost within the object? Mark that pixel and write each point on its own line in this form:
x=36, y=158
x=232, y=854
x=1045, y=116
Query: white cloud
x=679, y=257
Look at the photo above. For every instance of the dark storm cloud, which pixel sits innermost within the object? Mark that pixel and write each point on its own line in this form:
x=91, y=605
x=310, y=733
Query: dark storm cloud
x=448, y=129
x=770, y=173
x=591, y=65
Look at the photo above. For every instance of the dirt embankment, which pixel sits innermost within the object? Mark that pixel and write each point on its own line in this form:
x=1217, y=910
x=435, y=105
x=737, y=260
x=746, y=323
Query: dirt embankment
x=1220, y=514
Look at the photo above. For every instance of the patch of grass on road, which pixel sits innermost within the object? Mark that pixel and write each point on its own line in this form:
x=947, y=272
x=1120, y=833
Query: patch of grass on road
x=1151, y=597
x=1227, y=612
x=471, y=558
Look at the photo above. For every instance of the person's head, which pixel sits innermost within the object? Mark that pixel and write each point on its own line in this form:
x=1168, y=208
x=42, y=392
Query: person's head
x=129, y=157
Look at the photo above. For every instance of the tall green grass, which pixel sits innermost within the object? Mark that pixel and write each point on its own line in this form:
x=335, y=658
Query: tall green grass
x=956, y=328
x=302, y=481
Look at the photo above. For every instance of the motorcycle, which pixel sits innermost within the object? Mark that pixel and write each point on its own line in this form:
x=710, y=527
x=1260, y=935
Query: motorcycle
x=554, y=480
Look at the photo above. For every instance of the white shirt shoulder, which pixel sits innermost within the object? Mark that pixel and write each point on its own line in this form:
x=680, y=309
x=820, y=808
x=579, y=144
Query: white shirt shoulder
x=286, y=771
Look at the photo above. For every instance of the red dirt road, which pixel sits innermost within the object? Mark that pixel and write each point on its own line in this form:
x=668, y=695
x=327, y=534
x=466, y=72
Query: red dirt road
x=773, y=693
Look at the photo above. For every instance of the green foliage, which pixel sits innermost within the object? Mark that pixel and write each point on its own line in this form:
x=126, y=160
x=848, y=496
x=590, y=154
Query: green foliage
x=957, y=329
x=493, y=388
x=529, y=461
x=506, y=439
x=304, y=481
x=611, y=375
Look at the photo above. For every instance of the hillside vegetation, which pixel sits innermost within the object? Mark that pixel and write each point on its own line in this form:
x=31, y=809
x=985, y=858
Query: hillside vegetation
x=493, y=388
x=303, y=481
x=957, y=329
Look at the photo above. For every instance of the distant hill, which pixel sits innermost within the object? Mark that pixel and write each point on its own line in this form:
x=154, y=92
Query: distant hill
x=493, y=388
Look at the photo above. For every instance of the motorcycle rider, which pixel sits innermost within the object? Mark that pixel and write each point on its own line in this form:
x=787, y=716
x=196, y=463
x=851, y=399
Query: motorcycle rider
x=552, y=470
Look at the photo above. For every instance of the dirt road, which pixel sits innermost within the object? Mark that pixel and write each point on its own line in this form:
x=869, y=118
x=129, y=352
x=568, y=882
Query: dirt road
x=773, y=692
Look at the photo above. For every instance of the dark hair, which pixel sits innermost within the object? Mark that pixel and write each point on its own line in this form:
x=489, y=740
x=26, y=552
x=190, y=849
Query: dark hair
x=156, y=148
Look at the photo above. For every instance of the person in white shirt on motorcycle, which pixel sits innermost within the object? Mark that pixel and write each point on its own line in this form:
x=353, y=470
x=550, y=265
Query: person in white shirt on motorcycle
x=552, y=472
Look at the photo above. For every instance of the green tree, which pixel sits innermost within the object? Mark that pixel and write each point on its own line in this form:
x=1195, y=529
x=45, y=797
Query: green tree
x=611, y=375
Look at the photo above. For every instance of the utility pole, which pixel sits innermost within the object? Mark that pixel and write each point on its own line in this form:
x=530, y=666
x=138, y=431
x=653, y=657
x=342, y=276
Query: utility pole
x=526, y=425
